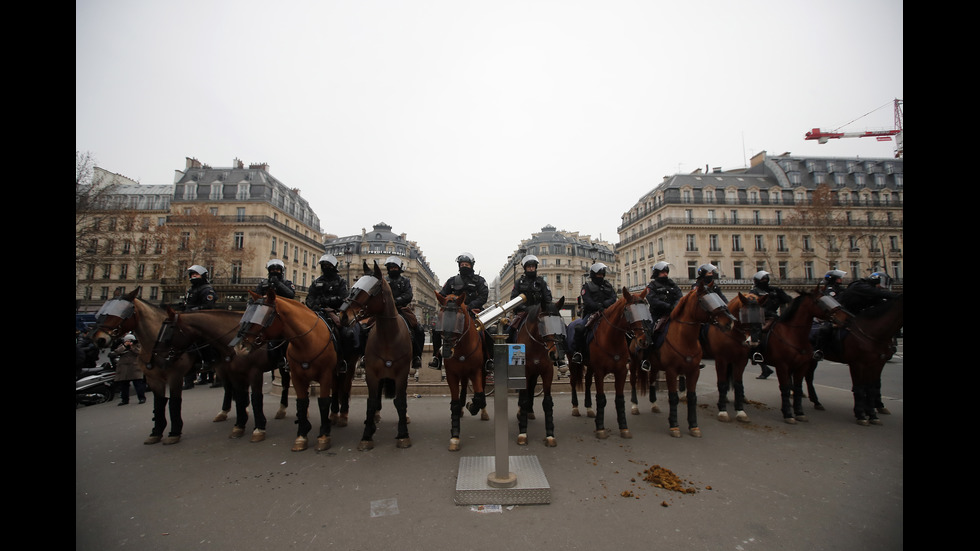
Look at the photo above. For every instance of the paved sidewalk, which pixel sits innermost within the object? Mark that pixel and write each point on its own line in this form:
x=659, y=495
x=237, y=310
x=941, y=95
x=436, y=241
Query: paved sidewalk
x=765, y=485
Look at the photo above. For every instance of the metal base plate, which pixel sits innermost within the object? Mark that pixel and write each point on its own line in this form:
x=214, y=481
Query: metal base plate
x=473, y=488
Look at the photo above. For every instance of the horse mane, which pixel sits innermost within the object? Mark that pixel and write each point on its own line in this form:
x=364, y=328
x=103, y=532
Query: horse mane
x=794, y=305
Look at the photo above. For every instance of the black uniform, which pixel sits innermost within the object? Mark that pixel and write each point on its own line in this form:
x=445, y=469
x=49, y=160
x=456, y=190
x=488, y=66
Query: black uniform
x=863, y=294
x=401, y=290
x=662, y=295
x=597, y=295
x=327, y=291
x=473, y=284
x=777, y=298
x=535, y=289
x=200, y=296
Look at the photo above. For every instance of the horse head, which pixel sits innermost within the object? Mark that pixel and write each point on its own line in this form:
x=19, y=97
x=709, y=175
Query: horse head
x=713, y=309
x=817, y=305
x=551, y=328
x=637, y=312
x=260, y=322
x=116, y=318
x=359, y=302
x=747, y=309
x=453, y=320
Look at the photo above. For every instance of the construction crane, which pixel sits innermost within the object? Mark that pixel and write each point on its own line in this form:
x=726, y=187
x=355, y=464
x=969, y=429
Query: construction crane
x=880, y=135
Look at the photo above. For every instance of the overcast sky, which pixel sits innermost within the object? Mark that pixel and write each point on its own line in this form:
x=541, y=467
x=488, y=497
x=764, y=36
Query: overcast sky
x=470, y=125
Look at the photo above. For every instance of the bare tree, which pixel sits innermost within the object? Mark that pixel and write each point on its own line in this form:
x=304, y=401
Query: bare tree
x=199, y=237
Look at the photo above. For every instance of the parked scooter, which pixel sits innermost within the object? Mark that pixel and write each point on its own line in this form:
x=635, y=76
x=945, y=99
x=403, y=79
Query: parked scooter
x=97, y=385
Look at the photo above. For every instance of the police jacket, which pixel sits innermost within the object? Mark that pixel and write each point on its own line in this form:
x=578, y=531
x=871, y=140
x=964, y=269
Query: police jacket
x=401, y=289
x=835, y=291
x=662, y=295
x=282, y=287
x=713, y=288
x=200, y=296
x=327, y=292
x=777, y=298
x=535, y=289
x=863, y=294
x=474, y=285
x=597, y=295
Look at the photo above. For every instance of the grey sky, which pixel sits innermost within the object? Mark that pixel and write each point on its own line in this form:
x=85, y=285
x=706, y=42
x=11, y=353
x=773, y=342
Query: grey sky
x=470, y=125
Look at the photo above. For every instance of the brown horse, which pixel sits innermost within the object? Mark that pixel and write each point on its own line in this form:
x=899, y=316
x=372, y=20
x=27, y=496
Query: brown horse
x=609, y=354
x=164, y=372
x=730, y=351
x=542, y=333
x=241, y=368
x=680, y=353
x=387, y=353
x=463, y=358
x=865, y=344
x=786, y=346
x=311, y=354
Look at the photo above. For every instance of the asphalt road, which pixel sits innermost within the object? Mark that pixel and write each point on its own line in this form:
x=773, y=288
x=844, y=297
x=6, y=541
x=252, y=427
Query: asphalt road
x=758, y=486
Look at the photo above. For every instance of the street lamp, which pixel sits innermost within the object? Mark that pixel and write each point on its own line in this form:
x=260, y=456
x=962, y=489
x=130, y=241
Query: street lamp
x=347, y=261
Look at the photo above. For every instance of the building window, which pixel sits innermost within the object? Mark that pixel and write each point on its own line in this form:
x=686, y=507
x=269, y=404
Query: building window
x=692, y=243
x=781, y=244
x=689, y=216
x=240, y=214
x=736, y=242
x=760, y=243
x=783, y=270
x=713, y=243
x=737, y=269
x=239, y=240
x=808, y=269
x=236, y=271
x=185, y=240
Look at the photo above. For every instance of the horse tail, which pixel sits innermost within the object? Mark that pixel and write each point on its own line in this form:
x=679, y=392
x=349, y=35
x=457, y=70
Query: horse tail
x=642, y=381
x=388, y=388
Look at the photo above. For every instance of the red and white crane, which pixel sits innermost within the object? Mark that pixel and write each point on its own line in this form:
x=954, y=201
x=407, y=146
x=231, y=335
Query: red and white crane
x=880, y=135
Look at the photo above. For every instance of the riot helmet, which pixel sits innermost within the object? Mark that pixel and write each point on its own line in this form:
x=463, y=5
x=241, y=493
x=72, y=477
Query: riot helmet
x=466, y=258
x=660, y=268
x=707, y=272
x=275, y=265
x=761, y=279
x=529, y=259
x=394, y=265
x=328, y=264
x=598, y=270
x=834, y=277
x=199, y=271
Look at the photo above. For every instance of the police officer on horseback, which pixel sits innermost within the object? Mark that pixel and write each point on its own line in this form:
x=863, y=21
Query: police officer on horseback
x=821, y=331
x=276, y=280
x=200, y=296
x=597, y=295
x=401, y=290
x=534, y=288
x=708, y=277
x=477, y=292
x=662, y=292
x=776, y=299
x=834, y=284
x=327, y=294
x=865, y=293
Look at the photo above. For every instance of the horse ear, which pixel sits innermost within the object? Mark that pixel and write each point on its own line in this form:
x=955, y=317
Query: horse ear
x=377, y=270
x=561, y=302
x=171, y=314
x=626, y=294
x=255, y=296
x=440, y=299
x=643, y=293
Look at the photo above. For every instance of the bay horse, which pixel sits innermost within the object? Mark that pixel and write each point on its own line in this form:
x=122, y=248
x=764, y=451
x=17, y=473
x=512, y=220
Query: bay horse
x=241, y=369
x=311, y=354
x=730, y=351
x=865, y=344
x=463, y=359
x=164, y=375
x=609, y=354
x=542, y=333
x=786, y=346
x=680, y=353
x=387, y=352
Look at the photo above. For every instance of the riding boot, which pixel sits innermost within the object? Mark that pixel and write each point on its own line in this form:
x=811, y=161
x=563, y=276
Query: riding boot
x=578, y=342
x=416, y=348
x=766, y=372
x=436, y=362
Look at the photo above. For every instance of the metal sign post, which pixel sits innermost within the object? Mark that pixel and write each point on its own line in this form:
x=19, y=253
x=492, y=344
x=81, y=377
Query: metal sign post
x=511, y=480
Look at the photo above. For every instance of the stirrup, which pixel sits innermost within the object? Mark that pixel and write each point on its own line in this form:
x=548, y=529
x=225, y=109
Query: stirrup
x=489, y=365
x=436, y=362
x=645, y=366
x=758, y=359
x=577, y=357
x=818, y=355
x=342, y=366
x=416, y=362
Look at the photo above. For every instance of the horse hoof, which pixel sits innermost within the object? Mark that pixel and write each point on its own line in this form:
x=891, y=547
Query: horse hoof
x=152, y=439
x=281, y=414
x=340, y=421
x=377, y=419
x=454, y=444
x=408, y=420
x=365, y=445
x=601, y=434
x=655, y=408
x=550, y=442
x=237, y=432
x=258, y=435
x=522, y=439
x=591, y=413
x=876, y=421
x=863, y=422
x=530, y=415
x=300, y=444
x=695, y=432
x=802, y=418
x=819, y=407
x=625, y=433
x=484, y=416
x=635, y=410
x=170, y=440
x=742, y=416
x=790, y=420
x=575, y=412
x=883, y=411
x=221, y=416
x=675, y=432
x=723, y=417
x=403, y=443
x=323, y=443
